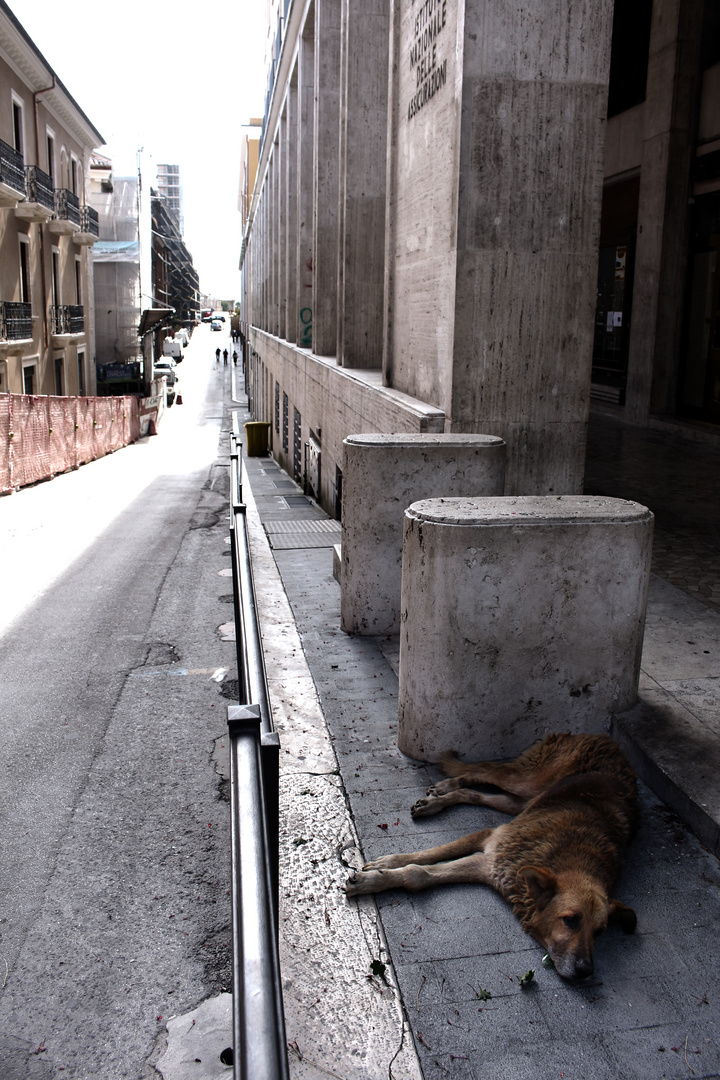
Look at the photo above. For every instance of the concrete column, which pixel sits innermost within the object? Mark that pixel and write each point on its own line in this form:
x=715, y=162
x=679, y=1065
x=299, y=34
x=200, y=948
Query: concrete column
x=282, y=224
x=325, y=193
x=291, y=155
x=262, y=262
x=305, y=158
x=274, y=227
x=362, y=182
x=670, y=120
x=382, y=476
x=521, y=617
x=498, y=119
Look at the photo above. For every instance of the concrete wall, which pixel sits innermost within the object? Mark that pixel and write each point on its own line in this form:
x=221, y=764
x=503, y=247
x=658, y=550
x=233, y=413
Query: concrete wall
x=332, y=401
x=498, y=121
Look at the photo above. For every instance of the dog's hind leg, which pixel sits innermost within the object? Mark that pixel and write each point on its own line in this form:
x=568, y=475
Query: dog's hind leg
x=527, y=776
x=473, y=869
x=434, y=803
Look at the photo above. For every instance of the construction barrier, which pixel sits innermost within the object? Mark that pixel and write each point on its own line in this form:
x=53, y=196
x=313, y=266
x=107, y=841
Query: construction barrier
x=43, y=436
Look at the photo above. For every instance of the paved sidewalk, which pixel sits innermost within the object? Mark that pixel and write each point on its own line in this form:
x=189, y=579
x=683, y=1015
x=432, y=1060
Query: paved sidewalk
x=653, y=1010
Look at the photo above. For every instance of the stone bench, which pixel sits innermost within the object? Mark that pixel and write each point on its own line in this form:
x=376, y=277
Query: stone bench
x=521, y=616
x=382, y=476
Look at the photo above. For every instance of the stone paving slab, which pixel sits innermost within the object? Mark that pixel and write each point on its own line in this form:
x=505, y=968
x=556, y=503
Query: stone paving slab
x=656, y=988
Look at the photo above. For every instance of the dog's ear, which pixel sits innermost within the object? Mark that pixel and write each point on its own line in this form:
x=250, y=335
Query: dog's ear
x=541, y=884
x=624, y=916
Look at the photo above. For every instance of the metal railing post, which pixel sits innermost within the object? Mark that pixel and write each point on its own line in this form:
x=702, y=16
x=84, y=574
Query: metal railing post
x=258, y=1022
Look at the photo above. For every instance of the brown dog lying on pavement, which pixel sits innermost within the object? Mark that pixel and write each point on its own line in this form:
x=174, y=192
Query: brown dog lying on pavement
x=575, y=797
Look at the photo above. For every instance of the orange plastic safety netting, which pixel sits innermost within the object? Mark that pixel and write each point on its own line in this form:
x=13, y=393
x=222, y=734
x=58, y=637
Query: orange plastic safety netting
x=42, y=436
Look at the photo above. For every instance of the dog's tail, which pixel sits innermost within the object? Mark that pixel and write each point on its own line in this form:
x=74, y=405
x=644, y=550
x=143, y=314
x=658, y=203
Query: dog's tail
x=451, y=764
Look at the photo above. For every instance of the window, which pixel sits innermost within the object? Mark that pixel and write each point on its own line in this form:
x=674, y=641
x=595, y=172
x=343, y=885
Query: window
x=56, y=277
x=18, y=126
x=78, y=281
x=629, y=54
x=28, y=379
x=297, y=447
x=51, y=156
x=24, y=270
x=74, y=175
x=81, y=374
x=58, y=376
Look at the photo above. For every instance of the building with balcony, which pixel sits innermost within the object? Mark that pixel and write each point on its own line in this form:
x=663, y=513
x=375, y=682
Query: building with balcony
x=116, y=264
x=495, y=218
x=250, y=135
x=170, y=189
x=144, y=280
x=48, y=229
x=175, y=280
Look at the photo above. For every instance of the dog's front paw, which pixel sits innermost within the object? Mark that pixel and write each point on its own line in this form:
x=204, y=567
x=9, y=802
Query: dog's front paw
x=444, y=787
x=361, y=882
x=386, y=862
x=426, y=807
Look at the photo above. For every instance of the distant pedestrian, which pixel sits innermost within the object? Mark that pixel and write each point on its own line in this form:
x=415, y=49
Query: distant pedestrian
x=235, y=357
x=217, y=355
x=225, y=356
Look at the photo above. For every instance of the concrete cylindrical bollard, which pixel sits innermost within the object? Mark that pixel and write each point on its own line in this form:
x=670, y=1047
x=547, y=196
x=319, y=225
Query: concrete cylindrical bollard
x=521, y=616
x=382, y=476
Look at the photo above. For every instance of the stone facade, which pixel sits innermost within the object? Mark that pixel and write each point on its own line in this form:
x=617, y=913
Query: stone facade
x=429, y=210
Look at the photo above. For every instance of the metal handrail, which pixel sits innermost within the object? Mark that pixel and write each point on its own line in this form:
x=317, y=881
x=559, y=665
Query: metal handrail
x=260, y=1051
x=89, y=221
x=67, y=206
x=17, y=320
x=12, y=168
x=40, y=187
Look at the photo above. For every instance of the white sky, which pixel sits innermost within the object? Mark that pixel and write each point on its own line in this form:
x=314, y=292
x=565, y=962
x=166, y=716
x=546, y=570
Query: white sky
x=178, y=79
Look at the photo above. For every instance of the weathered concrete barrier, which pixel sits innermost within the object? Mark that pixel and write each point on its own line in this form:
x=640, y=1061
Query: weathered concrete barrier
x=521, y=616
x=382, y=476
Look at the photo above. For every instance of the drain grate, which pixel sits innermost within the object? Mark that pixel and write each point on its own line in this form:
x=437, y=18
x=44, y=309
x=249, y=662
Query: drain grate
x=284, y=535
x=318, y=526
x=296, y=502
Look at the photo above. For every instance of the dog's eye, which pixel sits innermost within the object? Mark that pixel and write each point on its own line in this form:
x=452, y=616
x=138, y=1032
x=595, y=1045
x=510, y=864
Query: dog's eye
x=571, y=921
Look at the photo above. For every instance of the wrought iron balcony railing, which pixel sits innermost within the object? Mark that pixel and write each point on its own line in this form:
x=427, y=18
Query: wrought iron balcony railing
x=16, y=321
x=40, y=187
x=89, y=221
x=67, y=206
x=67, y=319
x=12, y=168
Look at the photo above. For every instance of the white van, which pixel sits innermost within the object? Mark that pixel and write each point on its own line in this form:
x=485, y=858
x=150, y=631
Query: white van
x=173, y=347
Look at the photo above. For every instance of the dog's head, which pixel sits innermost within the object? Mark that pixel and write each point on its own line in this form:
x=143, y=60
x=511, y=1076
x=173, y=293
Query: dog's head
x=567, y=913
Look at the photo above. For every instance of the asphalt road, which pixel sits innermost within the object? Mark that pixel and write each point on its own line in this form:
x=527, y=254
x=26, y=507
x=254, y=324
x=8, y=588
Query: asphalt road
x=114, y=849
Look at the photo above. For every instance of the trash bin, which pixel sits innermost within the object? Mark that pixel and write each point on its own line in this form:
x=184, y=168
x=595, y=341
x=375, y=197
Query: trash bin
x=256, y=437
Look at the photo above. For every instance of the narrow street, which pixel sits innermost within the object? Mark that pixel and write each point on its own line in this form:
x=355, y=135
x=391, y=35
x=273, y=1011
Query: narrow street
x=114, y=858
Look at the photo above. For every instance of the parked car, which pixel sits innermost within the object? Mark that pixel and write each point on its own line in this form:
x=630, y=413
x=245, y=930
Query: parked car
x=167, y=368
x=216, y=325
